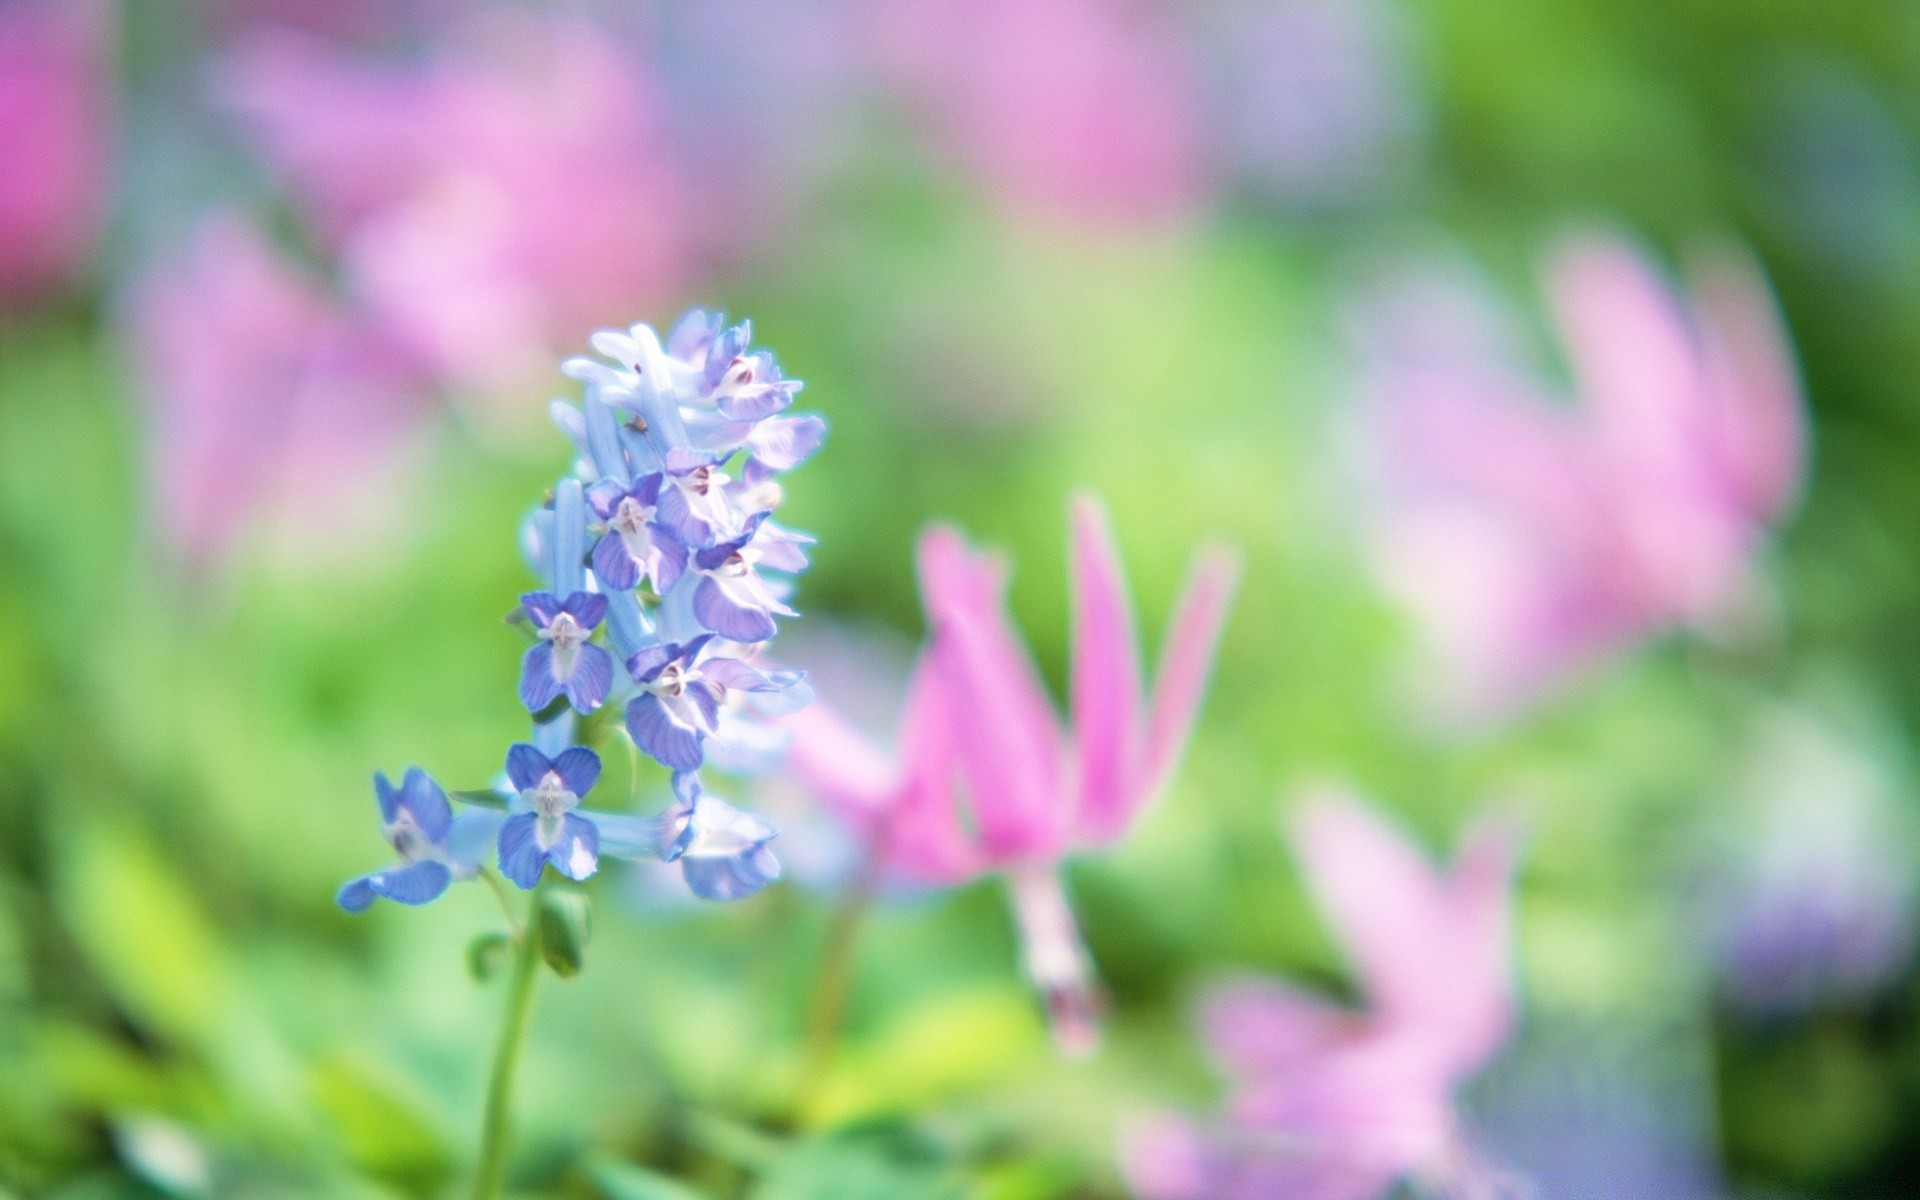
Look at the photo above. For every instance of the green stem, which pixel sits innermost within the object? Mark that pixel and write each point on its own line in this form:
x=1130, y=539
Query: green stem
x=496, y=1128
x=499, y=891
x=827, y=1012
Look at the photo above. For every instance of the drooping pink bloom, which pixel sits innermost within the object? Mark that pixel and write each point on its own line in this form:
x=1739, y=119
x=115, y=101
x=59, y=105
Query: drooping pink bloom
x=491, y=203
x=987, y=779
x=1530, y=535
x=1334, y=1103
x=268, y=406
x=56, y=141
x=1084, y=109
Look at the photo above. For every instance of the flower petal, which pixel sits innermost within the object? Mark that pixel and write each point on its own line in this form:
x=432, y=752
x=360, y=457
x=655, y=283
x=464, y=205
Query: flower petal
x=525, y=765
x=538, y=687
x=521, y=858
x=730, y=877
x=427, y=802
x=576, y=852
x=1106, y=679
x=1186, y=660
x=588, y=608
x=386, y=796
x=356, y=895
x=654, y=730
x=612, y=565
x=415, y=883
x=783, y=443
x=541, y=608
x=720, y=612
x=579, y=768
x=1007, y=734
x=591, y=680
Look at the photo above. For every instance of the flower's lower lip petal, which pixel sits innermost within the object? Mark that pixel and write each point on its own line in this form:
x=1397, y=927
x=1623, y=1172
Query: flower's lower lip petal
x=591, y=680
x=356, y=895
x=718, y=612
x=576, y=853
x=613, y=566
x=655, y=731
x=677, y=517
x=730, y=877
x=415, y=883
x=538, y=687
x=521, y=858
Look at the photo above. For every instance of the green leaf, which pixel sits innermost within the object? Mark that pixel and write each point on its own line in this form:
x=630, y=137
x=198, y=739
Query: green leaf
x=566, y=926
x=483, y=798
x=381, y=1134
x=143, y=931
x=882, y=1160
x=624, y=1181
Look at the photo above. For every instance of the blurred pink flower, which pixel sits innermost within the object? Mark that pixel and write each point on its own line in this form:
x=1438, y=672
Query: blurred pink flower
x=489, y=204
x=56, y=140
x=987, y=780
x=1084, y=109
x=267, y=405
x=1529, y=537
x=1331, y=1103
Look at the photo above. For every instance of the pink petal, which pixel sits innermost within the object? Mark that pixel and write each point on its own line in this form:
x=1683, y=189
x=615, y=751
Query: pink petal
x=1106, y=679
x=840, y=765
x=1008, y=737
x=1645, y=389
x=1385, y=902
x=1759, y=418
x=1254, y=1026
x=1186, y=661
x=926, y=839
x=1432, y=951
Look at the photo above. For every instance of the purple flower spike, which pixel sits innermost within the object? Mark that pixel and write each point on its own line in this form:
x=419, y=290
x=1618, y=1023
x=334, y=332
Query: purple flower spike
x=549, y=831
x=563, y=660
x=732, y=600
x=635, y=545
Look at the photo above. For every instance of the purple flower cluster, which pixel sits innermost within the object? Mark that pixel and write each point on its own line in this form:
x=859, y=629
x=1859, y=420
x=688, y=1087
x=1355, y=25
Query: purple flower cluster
x=664, y=578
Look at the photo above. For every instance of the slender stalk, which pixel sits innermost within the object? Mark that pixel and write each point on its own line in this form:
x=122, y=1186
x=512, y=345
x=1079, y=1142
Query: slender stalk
x=499, y=891
x=827, y=1011
x=496, y=1127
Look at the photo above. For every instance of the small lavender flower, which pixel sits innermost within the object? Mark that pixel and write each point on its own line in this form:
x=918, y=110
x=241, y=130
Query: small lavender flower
x=634, y=545
x=547, y=830
x=731, y=599
x=563, y=660
x=434, y=847
x=694, y=503
x=721, y=850
x=681, y=694
x=676, y=706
